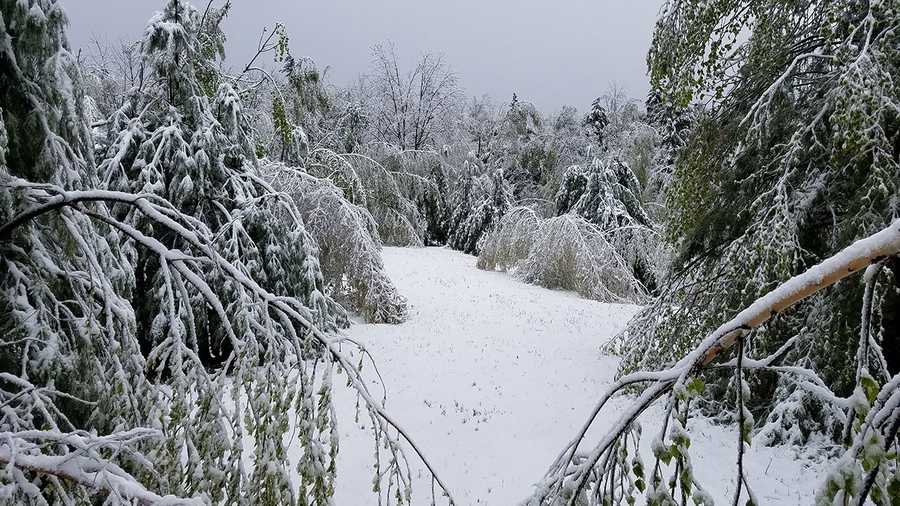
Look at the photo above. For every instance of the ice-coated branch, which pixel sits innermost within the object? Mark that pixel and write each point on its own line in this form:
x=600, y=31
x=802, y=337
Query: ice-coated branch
x=84, y=464
x=567, y=478
x=184, y=267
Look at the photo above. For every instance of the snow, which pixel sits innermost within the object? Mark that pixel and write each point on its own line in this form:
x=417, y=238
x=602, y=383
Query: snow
x=492, y=377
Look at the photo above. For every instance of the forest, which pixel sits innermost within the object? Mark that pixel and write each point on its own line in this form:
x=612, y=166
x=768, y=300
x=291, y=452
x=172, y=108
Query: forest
x=241, y=282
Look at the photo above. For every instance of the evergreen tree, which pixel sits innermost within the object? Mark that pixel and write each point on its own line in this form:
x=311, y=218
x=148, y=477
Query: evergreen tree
x=478, y=205
x=608, y=195
x=195, y=150
x=597, y=121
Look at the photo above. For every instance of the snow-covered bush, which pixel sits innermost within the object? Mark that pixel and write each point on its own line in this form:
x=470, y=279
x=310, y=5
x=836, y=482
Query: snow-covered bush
x=565, y=252
x=349, y=246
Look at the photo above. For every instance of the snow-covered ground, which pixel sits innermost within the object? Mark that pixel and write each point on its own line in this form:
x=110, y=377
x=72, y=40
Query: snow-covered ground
x=492, y=376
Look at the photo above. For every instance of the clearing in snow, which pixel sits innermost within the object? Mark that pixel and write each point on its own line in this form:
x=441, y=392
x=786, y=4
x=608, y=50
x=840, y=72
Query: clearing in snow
x=492, y=376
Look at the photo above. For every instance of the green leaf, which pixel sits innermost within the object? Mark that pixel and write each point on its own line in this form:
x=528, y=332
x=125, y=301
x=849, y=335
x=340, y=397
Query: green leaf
x=696, y=386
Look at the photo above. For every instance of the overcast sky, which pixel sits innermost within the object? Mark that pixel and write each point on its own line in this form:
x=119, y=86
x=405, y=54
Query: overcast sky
x=551, y=52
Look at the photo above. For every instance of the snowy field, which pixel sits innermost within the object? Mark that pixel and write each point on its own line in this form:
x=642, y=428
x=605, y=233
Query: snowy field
x=492, y=376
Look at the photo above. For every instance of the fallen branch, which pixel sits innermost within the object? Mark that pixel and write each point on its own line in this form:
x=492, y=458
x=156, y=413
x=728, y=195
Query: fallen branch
x=567, y=479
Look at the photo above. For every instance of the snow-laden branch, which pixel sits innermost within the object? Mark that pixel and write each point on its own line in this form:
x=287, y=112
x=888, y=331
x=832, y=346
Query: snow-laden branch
x=180, y=269
x=84, y=464
x=62, y=199
x=568, y=476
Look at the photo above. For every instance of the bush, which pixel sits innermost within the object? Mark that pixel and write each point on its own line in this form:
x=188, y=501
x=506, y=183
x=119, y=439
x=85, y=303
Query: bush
x=565, y=252
x=349, y=245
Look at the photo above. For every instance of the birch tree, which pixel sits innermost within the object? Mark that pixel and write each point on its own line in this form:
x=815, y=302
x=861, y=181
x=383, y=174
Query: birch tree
x=792, y=157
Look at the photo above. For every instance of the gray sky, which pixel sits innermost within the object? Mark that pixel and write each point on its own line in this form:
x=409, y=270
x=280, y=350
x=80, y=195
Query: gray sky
x=551, y=52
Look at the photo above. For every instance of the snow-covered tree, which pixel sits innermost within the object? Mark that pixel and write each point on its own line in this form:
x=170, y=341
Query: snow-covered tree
x=597, y=120
x=389, y=189
x=477, y=206
x=609, y=195
x=794, y=157
x=480, y=127
x=606, y=194
x=524, y=151
x=196, y=150
x=349, y=245
x=97, y=404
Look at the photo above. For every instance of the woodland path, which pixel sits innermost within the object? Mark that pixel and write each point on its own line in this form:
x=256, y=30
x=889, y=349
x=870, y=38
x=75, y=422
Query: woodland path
x=492, y=376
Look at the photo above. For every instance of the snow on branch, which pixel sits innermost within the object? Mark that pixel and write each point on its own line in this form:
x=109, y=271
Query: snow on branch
x=264, y=330
x=576, y=478
x=84, y=464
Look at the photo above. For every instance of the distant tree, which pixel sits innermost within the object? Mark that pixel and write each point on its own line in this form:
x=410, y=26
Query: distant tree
x=608, y=195
x=111, y=72
x=621, y=110
x=480, y=126
x=409, y=108
x=349, y=245
x=597, y=121
x=478, y=205
x=527, y=154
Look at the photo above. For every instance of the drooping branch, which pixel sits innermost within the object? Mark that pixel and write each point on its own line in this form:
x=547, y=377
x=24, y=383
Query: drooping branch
x=285, y=309
x=84, y=465
x=63, y=199
x=852, y=259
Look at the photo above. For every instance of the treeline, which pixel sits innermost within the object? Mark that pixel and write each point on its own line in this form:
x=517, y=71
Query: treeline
x=431, y=166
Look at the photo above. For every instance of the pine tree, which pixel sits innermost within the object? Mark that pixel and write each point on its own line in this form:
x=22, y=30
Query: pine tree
x=597, y=121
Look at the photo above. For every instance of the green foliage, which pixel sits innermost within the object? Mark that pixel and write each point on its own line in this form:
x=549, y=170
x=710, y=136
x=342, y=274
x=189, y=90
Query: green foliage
x=793, y=157
x=283, y=127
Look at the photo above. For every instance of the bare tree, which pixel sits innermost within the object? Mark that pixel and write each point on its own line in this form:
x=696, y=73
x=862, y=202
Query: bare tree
x=112, y=70
x=480, y=125
x=409, y=108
